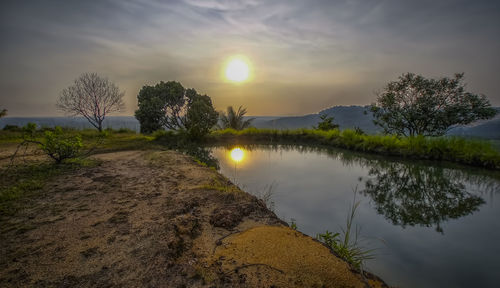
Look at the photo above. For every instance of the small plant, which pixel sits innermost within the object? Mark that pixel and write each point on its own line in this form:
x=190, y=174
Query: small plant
x=346, y=244
x=359, y=131
x=293, y=224
x=326, y=123
x=56, y=144
x=60, y=146
x=266, y=195
x=234, y=119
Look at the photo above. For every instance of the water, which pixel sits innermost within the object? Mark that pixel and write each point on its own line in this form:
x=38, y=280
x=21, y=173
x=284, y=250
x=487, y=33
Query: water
x=115, y=122
x=434, y=226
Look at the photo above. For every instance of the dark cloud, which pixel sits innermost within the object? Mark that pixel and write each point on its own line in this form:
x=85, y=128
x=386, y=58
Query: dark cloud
x=305, y=54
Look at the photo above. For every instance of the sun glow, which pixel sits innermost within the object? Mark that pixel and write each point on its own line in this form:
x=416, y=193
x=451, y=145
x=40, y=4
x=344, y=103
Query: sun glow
x=237, y=70
x=237, y=154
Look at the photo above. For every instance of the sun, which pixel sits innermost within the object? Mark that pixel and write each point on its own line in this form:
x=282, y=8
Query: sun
x=237, y=70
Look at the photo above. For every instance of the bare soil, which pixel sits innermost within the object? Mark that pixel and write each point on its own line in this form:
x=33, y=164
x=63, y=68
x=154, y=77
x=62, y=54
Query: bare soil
x=158, y=219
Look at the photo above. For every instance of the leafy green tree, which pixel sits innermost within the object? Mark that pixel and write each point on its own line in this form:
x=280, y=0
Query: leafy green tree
x=326, y=123
x=151, y=112
x=414, y=105
x=3, y=112
x=200, y=117
x=169, y=105
x=234, y=119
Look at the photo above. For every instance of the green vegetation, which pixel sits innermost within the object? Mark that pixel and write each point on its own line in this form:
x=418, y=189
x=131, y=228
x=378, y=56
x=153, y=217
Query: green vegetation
x=170, y=105
x=326, y=123
x=21, y=179
x=347, y=246
x=180, y=141
x=92, y=141
x=414, y=105
x=56, y=144
x=27, y=179
x=234, y=119
x=222, y=185
x=293, y=224
x=454, y=149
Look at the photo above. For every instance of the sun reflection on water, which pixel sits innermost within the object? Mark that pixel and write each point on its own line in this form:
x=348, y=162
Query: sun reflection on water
x=237, y=154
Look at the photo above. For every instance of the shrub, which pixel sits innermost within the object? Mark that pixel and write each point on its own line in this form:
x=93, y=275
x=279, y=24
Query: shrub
x=56, y=144
x=13, y=128
x=60, y=146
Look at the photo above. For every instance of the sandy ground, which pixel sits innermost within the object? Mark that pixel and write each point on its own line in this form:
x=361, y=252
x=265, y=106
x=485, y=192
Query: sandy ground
x=158, y=219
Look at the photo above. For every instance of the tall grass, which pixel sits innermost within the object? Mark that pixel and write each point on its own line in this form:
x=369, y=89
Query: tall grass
x=454, y=149
x=346, y=244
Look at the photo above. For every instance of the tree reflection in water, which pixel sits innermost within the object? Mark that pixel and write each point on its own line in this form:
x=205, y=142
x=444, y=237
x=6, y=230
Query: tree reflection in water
x=409, y=194
x=413, y=193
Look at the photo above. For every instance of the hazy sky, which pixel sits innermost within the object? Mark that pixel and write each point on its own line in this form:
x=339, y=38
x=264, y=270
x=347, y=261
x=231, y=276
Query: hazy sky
x=305, y=55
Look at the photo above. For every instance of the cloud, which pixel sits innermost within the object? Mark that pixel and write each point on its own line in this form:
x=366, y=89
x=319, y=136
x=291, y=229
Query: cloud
x=302, y=51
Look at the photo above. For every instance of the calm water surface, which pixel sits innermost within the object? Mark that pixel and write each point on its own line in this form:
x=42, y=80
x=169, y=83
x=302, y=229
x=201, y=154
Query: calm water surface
x=435, y=226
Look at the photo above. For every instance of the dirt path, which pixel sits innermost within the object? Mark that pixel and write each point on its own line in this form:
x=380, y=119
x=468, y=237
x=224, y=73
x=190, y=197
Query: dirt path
x=158, y=219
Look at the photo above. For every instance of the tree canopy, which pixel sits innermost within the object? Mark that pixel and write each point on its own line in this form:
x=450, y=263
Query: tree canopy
x=169, y=105
x=3, y=112
x=92, y=97
x=234, y=119
x=415, y=105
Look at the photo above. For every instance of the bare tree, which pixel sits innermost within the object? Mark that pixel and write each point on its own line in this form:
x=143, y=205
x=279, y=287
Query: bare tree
x=92, y=97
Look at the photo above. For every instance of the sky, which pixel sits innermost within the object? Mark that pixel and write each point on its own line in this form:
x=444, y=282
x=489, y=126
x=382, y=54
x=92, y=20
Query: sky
x=304, y=56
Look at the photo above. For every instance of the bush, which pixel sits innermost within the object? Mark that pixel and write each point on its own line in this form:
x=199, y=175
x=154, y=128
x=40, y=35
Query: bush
x=60, y=146
x=13, y=128
x=56, y=144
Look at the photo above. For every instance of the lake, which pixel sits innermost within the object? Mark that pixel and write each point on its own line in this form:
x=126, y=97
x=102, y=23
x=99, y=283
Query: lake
x=434, y=225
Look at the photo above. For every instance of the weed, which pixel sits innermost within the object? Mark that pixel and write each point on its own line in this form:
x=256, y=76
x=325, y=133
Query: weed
x=293, y=224
x=346, y=244
x=266, y=195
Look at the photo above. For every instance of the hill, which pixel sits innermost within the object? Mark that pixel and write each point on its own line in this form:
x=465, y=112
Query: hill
x=349, y=117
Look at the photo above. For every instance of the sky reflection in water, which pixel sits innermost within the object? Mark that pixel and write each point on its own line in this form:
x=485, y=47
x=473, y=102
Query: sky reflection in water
x=438, y=224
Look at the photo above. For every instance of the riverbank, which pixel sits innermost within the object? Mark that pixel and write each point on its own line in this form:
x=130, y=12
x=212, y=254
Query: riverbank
x=452, y=149
x=156, y=219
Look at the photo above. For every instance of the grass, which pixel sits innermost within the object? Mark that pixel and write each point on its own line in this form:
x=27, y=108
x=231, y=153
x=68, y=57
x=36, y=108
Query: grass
x=346, y=244
x=25, y=180
x=223, y=186
x=453, y=149
x=107, y=141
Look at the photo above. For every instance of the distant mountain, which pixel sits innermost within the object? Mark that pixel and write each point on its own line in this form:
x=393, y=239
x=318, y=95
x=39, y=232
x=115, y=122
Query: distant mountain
x=482, y=129
x=349, y=117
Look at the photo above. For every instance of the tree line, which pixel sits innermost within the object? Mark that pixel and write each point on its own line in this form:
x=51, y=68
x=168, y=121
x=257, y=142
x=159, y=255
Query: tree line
x=410, y=106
